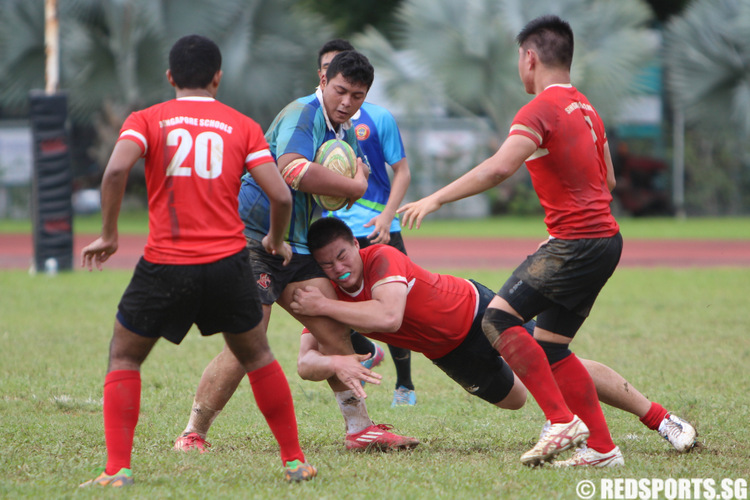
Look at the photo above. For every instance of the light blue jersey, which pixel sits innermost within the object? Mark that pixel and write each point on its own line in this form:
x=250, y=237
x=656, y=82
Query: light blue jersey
x=380, y=140
x=301, y=127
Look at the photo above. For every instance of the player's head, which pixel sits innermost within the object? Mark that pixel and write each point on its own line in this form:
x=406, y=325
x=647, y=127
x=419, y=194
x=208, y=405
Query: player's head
x=551, y=38
x=194, y=61
x=353, y=66
x=329, y=50
x=345, y=85
x=336, y=250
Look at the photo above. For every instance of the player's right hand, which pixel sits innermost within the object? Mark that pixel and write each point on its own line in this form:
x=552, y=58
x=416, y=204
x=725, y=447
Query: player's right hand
x=96, y=253
x=413, y=213
x=283, y=250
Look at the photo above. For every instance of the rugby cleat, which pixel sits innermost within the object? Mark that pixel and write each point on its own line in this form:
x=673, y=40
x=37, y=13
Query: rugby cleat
x=589, y=457
x=191, y=441
x=377, y=437
x=373, y=360
x=123, y=477
x=296, y=471
x=678, y=432
x=558, y=438
x=404, y=397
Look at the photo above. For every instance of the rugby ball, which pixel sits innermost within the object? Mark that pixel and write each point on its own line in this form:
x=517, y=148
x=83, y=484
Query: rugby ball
x=337, y=156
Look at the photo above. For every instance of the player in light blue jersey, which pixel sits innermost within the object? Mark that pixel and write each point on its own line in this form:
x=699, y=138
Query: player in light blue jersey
x=373, y=218
x=294, y=137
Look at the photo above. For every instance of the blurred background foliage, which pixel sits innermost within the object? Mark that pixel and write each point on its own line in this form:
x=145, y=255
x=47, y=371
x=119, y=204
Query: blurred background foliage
x=446, y=69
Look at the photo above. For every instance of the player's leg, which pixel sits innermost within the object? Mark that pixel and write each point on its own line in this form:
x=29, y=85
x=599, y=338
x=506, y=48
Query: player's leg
x=404, y=393
x=232, y=303
x=588, y=265
x=503, y=326
x=122, y=400
x=273, y=397
x=614, y=390
x=224, y=373
x=218, y=383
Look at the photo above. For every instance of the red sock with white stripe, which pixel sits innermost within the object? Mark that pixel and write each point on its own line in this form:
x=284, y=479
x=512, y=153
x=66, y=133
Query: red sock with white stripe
x=122, y=401
x=274, y=399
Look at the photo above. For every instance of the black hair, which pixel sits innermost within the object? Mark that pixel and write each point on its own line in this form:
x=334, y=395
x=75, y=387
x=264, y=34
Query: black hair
x=353, y=66
x=193, y=62
x=335, y=45
x=325, y=230
x=551, y=37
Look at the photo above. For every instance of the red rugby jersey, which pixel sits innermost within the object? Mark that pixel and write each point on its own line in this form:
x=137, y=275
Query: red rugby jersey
x=439, y=308
x=568, y=169
x=196, y=149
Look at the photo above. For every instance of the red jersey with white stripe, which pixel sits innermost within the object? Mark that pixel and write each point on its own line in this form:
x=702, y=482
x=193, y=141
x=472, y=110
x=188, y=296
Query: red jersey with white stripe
x=196, y=150
x=439, y=308
x=568, y=169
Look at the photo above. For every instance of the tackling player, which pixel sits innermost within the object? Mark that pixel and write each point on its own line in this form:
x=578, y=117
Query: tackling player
x=382, y=292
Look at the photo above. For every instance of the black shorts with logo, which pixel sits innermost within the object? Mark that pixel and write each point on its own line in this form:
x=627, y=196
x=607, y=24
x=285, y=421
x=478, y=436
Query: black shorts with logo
x=559, y=282
x=272, y=276
x=166, y=300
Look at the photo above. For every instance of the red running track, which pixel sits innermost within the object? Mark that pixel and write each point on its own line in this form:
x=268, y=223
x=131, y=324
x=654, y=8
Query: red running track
x=16, y=251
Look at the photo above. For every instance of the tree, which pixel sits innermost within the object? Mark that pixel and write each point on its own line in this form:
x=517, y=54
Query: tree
x=114, y=55
x=707, y=56
x=466, y=52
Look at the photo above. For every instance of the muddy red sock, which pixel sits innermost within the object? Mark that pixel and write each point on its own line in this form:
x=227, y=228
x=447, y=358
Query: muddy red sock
x=274, y=399
x=655, y=415
x=580, y=394
x=122, y=401
x=528, y=361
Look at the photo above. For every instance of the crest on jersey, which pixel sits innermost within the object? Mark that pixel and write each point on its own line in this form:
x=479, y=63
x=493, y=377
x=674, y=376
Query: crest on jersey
x=362, y=132
x=264, y=281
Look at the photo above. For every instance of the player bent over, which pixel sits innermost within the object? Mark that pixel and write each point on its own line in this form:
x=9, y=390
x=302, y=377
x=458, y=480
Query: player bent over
x=294, y=137
x=385, y=295
x=195, y=268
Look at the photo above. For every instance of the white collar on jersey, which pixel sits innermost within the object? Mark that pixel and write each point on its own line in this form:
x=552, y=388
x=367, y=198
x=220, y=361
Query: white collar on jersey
x=563, y=85
x=196, y=98
x=340, y=133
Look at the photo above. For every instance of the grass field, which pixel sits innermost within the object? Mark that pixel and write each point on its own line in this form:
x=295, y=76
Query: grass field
x=680, y=336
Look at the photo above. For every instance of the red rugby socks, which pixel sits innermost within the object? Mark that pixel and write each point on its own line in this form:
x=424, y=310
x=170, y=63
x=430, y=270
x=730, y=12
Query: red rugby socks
x=122, y=401
x=580, y=394
x=655, y=415
x=528, y=361
x=274, y=399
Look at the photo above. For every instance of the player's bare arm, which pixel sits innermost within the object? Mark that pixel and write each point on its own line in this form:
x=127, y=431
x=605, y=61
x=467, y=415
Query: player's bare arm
x=384, y=313
x=318, y=179
x=268, y=178
x=491, y=172
x=381, y=223
x=314, y=365
x=124, y=156
x=611, y=182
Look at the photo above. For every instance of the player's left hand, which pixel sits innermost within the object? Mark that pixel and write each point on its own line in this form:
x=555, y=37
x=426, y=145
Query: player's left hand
x=381, y=232
x=97, y=253
x=305, y=301
x=413, y=213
